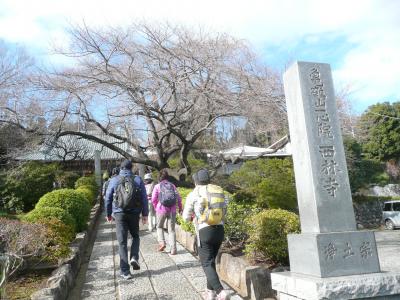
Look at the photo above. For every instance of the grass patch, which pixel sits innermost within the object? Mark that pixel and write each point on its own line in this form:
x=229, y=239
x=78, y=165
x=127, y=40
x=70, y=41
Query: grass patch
x=24, y=285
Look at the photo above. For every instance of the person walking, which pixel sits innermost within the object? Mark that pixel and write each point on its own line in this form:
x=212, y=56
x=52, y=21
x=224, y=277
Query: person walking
x=207, y=203
x=164, y=198
x=106, y=181
x=149, y=184
x=125, y=200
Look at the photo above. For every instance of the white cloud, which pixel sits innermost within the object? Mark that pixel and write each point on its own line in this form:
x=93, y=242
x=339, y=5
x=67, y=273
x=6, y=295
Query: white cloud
x=370, y=25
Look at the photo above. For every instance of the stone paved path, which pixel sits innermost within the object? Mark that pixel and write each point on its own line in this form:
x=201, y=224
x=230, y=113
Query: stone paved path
x=388, y=244
x=166, y=277
x=161, y=276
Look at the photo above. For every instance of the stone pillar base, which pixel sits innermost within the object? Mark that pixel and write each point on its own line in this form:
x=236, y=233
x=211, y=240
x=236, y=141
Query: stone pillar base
x=333, y=254
x=293, y=286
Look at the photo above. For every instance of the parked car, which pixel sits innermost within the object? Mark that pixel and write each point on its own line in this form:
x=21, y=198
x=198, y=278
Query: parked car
x=391, y=214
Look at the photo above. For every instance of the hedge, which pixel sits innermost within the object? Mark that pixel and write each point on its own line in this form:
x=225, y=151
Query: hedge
x=186, y=226
x=44, y=213
x=87, y=193
x=87, y=181
x=268, y=232
x=23, y=186
x=70, y=200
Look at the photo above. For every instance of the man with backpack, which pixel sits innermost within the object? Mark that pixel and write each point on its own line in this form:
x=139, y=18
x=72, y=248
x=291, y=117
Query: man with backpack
x=165, y=197
x=125, y=200
x=208, y=204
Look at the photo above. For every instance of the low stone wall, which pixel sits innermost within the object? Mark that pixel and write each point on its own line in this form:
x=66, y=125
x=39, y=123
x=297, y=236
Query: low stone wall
x=389, y=190
x=251, y=282
x=62, y=279
x=186, y=239
x=368, y=214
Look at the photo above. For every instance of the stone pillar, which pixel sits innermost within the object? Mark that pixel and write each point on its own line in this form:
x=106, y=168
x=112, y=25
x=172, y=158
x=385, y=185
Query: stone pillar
x=329, y=244
x=97, y=167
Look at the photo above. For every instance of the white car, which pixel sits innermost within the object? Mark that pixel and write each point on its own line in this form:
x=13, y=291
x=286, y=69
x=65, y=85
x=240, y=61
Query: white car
x=391, y=214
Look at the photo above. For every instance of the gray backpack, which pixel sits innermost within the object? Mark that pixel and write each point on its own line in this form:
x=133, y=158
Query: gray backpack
x=167, y=194
x=127, y=194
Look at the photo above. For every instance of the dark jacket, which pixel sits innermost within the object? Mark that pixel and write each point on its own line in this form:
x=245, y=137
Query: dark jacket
x=108, y=200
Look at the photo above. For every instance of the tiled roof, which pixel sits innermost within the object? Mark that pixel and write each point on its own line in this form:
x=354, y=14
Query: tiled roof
x=280, y=148
x=70, y=147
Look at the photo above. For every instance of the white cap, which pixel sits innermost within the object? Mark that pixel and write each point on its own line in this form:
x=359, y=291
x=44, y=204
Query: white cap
x=147, y=176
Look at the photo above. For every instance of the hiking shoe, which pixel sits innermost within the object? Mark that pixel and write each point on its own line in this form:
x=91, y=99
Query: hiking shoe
x=127, y=276
x=210, y=295
x=135, y=264
x=223, y=295
x=161, y=247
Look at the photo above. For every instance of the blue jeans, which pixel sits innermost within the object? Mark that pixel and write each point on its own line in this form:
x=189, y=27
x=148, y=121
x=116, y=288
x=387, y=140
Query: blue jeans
x=125, y=222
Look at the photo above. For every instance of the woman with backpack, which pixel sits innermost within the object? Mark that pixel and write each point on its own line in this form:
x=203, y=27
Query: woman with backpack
x=206, y=207
x=164, y=198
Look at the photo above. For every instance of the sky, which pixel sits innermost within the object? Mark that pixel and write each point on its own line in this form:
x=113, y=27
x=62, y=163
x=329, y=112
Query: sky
x=360, y=39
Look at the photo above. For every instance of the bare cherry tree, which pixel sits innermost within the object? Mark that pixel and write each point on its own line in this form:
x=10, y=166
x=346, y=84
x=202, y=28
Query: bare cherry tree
x=158, y=88
x=18, y=110
x=348, y=118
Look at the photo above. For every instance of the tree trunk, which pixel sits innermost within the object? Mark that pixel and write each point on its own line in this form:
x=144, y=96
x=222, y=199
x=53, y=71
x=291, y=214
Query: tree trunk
x=184, y=163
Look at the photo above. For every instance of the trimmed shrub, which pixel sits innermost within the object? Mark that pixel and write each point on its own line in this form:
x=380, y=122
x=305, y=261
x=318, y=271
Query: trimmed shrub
x=87, y=181
x=269, y=181
x=235, y=228
x=87, y=193
x=67, y=179
x=44, y=213
x=24, y=185
x=70, y=200
x=195, y=163
x=267, y=235
x=186, y=226
x=59, y=236
x=184, y=192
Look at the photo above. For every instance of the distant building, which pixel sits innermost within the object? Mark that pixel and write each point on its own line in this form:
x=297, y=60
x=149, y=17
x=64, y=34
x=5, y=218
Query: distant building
x=77, y=153
x=233, y=158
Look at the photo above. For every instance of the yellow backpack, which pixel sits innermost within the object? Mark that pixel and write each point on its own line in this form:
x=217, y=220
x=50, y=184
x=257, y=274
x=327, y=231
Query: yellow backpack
x=213, y=206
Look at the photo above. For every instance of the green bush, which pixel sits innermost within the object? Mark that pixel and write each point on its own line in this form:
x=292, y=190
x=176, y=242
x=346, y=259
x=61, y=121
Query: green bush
x=87, y=193
x=59, y=236
x=235, y=228
x=184, y=192
x=195, y=163
x=87, y=181
x=24, y=185
x=362, y=199
x=243, y=196
x=269, y=181
x=362, y=172
x=186, y=226
x=43, y=213
x=267, y=234
x=66, y=179
x=4, y=214
x=70, y=200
